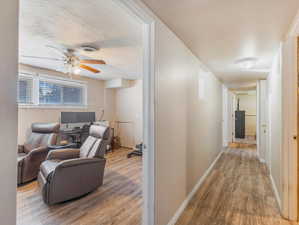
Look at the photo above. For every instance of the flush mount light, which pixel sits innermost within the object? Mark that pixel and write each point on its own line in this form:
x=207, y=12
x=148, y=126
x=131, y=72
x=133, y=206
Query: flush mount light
x=247, y=63
x=89, y=48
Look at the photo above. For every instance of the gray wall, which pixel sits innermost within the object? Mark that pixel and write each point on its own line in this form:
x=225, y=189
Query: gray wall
x=8, y=110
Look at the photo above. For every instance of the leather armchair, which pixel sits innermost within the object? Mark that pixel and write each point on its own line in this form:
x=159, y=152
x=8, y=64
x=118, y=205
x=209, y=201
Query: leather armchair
x=35, y=150
x=71, y=173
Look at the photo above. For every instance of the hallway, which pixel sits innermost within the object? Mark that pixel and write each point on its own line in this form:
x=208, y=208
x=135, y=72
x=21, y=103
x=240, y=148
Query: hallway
x=238, y=191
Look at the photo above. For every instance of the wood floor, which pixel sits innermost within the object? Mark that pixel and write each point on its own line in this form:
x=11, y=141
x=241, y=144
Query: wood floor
x=244, y=146
x=117, y=202
x=248, y=143
x=237, y=192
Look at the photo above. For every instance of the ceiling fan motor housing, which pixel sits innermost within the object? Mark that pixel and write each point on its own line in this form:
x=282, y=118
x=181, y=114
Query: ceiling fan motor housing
x=88, y=48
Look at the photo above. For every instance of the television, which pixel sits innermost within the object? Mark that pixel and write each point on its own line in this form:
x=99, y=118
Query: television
x=78, y=117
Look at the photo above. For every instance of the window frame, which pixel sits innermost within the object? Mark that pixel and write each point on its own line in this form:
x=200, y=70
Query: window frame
x=52, y=79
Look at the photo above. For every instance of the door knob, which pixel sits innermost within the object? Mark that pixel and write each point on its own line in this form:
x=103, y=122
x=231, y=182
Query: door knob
x=295, y=137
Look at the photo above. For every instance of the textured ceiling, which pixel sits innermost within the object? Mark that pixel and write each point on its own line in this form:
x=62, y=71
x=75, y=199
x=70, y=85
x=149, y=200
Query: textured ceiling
x=73, y=23
x=221, y=32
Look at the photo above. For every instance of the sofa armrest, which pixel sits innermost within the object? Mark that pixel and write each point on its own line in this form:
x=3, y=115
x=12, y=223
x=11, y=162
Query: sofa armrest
x=80, y=161
x=38, y=150
x=57, y=147
x=63, y=154
x=20, y=148
x=37, y=154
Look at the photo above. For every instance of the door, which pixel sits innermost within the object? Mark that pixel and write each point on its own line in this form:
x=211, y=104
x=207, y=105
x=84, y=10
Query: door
x=262, y=123
x=289, y=117
x=240, y=124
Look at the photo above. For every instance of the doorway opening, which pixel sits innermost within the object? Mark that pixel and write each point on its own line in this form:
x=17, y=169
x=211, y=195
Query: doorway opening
x=244, y=119
x=78, y=78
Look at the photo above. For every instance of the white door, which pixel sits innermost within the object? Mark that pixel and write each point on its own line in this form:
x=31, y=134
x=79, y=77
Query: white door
x=289, y=118
x=262, y=120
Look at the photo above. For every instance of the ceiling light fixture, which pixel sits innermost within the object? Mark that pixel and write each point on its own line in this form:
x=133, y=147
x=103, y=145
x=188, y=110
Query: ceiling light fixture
x=247, y=63
x=77, y=71
x=89, y=48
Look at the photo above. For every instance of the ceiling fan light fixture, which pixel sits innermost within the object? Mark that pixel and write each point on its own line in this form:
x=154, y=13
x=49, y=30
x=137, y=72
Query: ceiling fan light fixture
x=247, y=63
x=77, y=71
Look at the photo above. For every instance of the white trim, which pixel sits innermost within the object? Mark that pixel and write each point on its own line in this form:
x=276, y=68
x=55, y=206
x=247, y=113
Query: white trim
x=185, y=203
x=258, y=119
x=294, y=28
x=51, y=77
x=278, y=200
x=26, y=75
x=225, y=116
x=62, y=80
x=138, y=10
x=289, y=118
x=32, y=106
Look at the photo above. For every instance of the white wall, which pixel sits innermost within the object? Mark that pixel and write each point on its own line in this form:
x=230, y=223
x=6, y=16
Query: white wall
x=188, y=122
x=8, y=110
x=204, y=125
x=128, y=110
x=274, y=160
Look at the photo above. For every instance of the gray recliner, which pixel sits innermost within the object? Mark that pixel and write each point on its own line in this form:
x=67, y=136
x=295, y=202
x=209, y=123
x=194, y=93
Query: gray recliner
x=70, y=173
x=35, y=150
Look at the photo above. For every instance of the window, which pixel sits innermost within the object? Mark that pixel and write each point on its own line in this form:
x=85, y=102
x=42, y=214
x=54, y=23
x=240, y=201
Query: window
x=25, y=90
x=49, y=91
x=59, y=94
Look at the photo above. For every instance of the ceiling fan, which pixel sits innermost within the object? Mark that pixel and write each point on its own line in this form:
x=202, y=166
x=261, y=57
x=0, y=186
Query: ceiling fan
x=72, y=61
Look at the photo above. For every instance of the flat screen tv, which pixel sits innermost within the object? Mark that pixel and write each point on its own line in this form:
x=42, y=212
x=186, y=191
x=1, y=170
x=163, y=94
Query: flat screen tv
x=78, y=117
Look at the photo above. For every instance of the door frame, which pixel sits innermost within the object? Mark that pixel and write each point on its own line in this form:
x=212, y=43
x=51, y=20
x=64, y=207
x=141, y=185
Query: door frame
x=225, y=117
x=228, y=116
x=140, y=12
x=289, y=207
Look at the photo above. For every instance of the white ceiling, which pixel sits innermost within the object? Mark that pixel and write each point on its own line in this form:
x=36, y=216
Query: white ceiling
x=220, y=32
x=73, y=23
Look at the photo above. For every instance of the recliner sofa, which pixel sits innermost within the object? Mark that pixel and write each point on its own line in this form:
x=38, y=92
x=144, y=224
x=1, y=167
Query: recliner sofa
x=35, y=150
x=70, y=173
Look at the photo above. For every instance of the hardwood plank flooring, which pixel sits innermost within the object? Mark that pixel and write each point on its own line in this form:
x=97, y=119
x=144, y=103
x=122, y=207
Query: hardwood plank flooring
x=237, y=192
x=118, y=201
x=245, y=146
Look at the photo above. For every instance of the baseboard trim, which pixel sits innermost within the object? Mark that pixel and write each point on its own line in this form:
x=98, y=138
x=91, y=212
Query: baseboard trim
x=275, y=192
x=181, y=209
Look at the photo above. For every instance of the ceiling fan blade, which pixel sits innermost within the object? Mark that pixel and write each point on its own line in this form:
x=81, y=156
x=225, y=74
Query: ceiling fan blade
x=38, y=57
x=92, y=61
x=89, y=68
